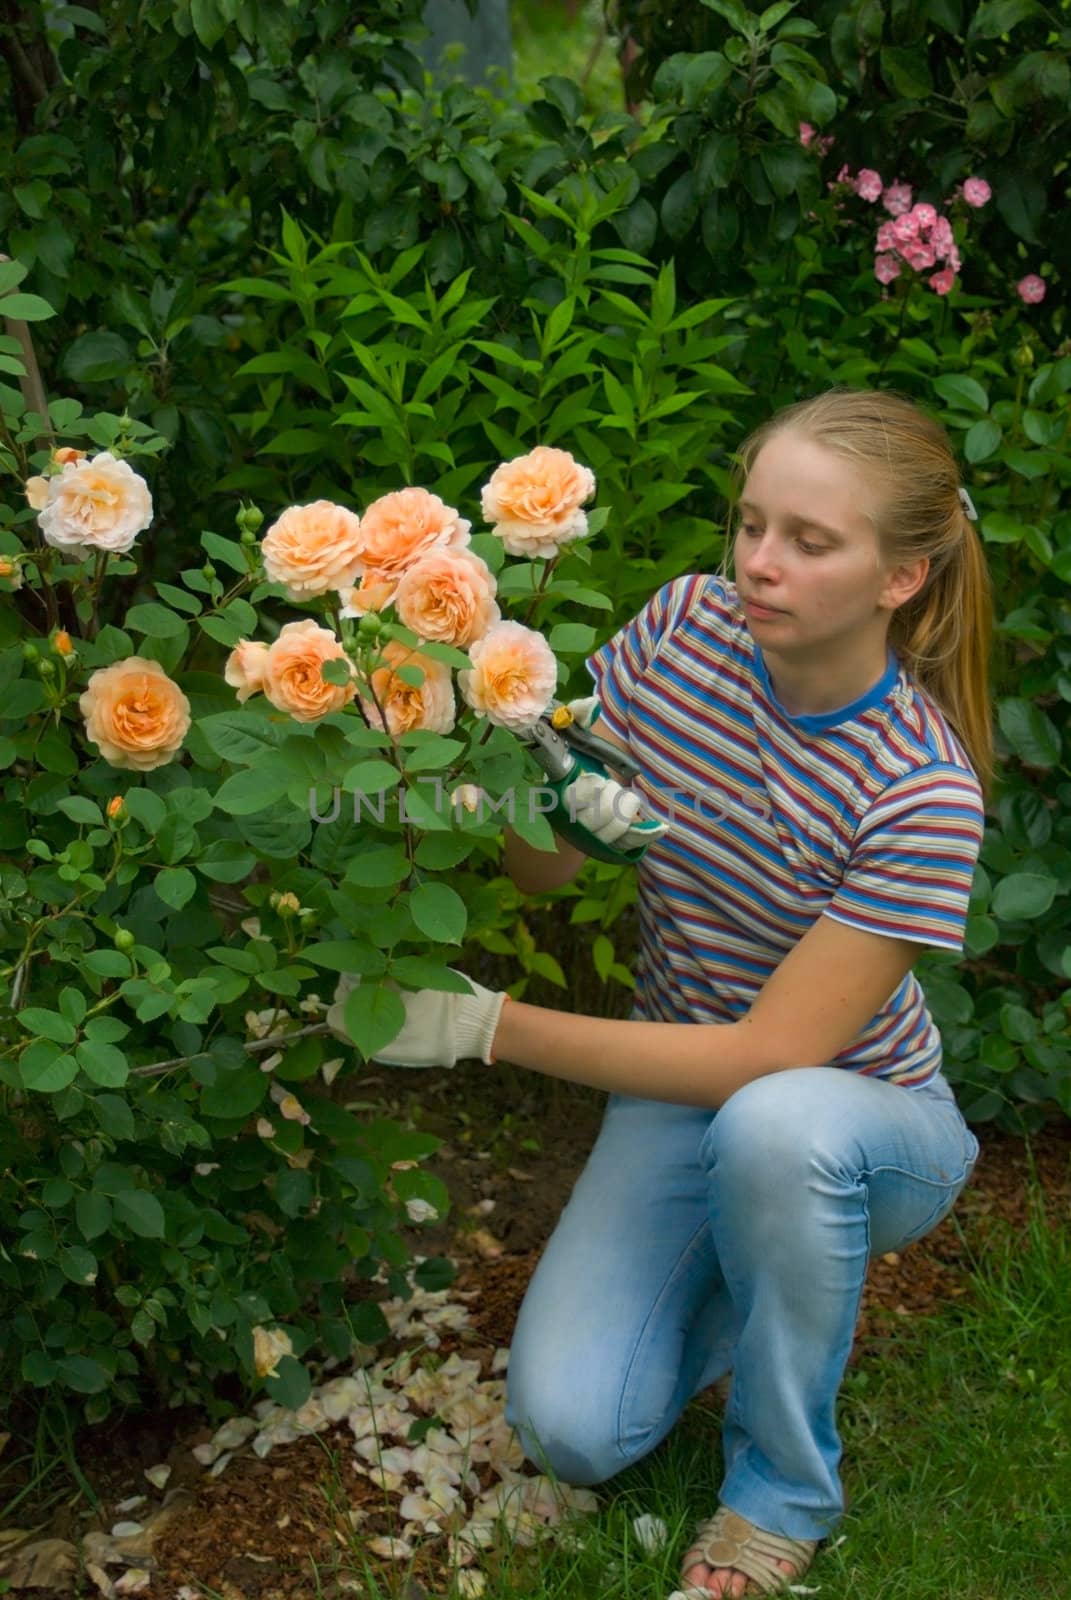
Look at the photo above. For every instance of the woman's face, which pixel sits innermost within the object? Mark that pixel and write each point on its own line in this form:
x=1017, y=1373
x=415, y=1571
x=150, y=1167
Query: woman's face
x=805, y=547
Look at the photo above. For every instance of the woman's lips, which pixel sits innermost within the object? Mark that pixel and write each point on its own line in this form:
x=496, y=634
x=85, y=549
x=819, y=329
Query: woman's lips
x=763, y=611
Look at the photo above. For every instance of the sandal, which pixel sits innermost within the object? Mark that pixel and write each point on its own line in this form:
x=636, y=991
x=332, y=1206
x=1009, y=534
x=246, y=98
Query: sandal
x=729, y=1540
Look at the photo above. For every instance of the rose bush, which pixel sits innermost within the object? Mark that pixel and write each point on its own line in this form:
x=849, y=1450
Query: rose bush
x=183, y=1185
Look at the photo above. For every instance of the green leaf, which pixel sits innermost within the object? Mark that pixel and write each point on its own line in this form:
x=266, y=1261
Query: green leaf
x=240, y=736
x=96, y=358
x=103, y=1064
x=146, y=807
x=572, y=636
x=960, y=391
x=439, y=911
x=1032, y=735
x=26, y=308
x=235, y=1093
x=82, y=1374
x=292, y=1386
x=371, y=777
x=982, y=440
x=1001, y=16
x=107, y=963
x=35, y=1019
x=78, y=1264
x=373, y=1015
x=44, y=1068
x=244, y=793
x=175, y=886
x=155, y=620
x=436, y=752
x=226, y=861
x=421, y=972
x=338, y=955
x=93, y=1213
x=1022, y=896
x=378, y=866
x=81, y=810
x=141, y=1212
x=907, y=72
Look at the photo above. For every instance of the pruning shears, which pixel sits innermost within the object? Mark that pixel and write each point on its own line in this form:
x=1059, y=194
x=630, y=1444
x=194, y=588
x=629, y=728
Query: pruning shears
x=564, y=749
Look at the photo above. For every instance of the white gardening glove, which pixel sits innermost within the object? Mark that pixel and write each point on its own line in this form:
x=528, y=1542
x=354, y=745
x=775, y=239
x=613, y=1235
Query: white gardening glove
x=602, y=805
x=439, y=1030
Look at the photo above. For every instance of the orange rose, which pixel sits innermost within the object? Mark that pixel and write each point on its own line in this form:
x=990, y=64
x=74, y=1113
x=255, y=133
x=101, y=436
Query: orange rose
x=399, y=528
x=135, y=714
x=292, y=679
x=405, y=706
x=535, y=501
x=313, y=549
x=373, y=593
x=448, y=595
x=9, y=570
x=513, y=678
x=67, y=454
x=245, y=668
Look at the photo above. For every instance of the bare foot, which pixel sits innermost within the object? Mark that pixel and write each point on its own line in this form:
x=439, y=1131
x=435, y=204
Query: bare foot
x=725, y=1580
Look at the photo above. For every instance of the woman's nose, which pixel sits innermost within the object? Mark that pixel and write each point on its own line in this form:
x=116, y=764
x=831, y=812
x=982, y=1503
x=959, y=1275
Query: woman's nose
x=760, y=557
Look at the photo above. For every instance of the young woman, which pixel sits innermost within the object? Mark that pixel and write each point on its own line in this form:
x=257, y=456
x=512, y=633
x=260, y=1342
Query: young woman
x=816, y=735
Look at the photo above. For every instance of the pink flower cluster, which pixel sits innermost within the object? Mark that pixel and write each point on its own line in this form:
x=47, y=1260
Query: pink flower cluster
x=920, y=238
x=825, y=142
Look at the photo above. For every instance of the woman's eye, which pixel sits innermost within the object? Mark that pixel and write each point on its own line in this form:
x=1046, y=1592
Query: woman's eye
x=812, y=549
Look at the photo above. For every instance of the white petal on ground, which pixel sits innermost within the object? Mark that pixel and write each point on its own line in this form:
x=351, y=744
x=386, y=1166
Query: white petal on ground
x=158, y=1475
x=651, y=1532
x=392, y=1549
x=134, y=1579
x=126, y=1530
x=132, y=1504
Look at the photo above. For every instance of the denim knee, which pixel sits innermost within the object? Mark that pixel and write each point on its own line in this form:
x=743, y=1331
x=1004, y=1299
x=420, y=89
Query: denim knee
x=560, y=1435
x=763, y=1136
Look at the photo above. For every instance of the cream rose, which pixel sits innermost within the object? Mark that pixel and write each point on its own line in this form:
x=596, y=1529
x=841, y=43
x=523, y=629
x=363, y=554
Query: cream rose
x=135, y=714
x=245, y=668
x=535, y=501
x=513, y=678
x=292, y=679
x=448, y=595
x=399, y=528
x=98, y=504
x=313, y=549
x=406, y=706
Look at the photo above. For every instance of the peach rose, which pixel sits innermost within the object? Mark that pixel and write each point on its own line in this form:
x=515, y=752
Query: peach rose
x=292, y=679
x=312, y=549
x=66, y=453
x=513, y=678
x=406, y=706
x=11, y=572
x=135, y=714
x=373, y=593
x=36, y=492
x=245, y=667
x=535, y=501
x=399, y=528
x=448, y=595
x=100, y=504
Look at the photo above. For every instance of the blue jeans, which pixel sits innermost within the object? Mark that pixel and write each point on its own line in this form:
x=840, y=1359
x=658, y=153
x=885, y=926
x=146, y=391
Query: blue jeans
x=696, y=1242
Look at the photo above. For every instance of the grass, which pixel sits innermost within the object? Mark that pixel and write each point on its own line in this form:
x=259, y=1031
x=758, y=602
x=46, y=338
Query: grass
x=957, y=1462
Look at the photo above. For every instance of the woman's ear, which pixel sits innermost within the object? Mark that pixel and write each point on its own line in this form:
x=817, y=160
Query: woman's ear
x=904, y=582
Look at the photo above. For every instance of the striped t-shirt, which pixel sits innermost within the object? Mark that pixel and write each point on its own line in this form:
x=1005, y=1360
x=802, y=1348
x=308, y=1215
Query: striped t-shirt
x=870, y=814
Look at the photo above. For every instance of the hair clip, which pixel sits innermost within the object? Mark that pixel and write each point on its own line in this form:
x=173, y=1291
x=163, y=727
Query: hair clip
x=968, y=505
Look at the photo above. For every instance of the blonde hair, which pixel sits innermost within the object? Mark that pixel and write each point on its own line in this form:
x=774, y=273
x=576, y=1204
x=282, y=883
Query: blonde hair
x=943, y=634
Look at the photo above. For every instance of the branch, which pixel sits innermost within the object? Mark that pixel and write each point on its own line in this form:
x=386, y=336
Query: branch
x=157, y=1067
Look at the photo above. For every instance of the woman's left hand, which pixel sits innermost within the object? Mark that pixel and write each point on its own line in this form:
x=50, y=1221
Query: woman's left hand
x=440, y=1029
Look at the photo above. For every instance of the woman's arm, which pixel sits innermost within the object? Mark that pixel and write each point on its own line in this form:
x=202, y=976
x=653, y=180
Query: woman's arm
x=819, y=999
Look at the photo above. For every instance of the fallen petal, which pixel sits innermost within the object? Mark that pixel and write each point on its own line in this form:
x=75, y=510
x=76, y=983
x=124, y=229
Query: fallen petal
x=651, y=1532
